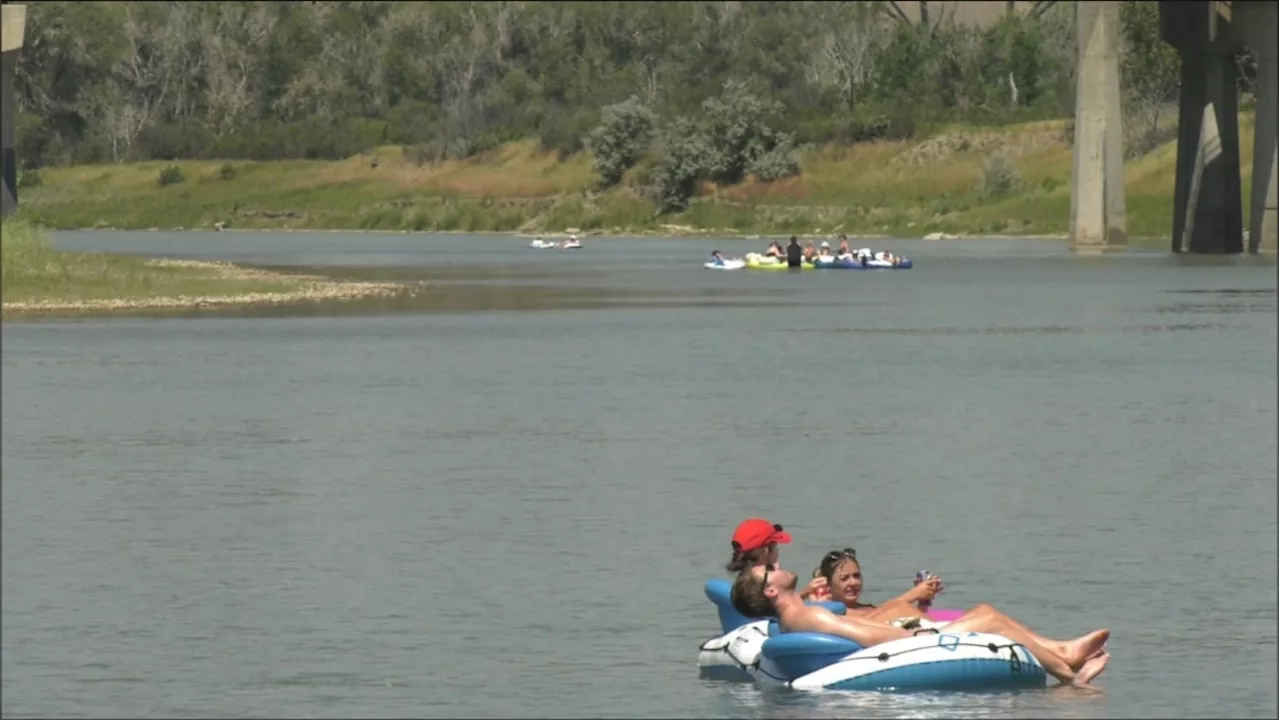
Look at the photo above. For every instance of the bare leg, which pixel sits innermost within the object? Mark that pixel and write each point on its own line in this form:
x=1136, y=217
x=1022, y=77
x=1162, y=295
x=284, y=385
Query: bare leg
x=983, y=619
x=1074, y=652
x=1085, y=647
x=1093, y=667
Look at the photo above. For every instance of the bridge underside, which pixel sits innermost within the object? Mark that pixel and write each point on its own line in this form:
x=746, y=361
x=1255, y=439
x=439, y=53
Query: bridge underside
x=1207, y=195
x=1207, y=192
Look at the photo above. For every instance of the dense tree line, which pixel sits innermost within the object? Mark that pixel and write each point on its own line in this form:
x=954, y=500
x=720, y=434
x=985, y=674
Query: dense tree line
x=718, y=89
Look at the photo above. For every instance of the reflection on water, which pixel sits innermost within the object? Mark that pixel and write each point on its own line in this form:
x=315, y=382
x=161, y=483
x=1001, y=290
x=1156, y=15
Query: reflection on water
x=1041, y=330
x=1228, y=301
x=1056, y=701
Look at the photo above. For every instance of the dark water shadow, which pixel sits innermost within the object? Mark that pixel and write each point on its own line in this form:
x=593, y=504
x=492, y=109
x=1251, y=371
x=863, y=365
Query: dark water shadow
x=1222, y=301
x=1031, y=330
x=1248, y=292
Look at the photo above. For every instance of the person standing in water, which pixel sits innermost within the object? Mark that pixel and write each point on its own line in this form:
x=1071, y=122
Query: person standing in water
x=795, y=253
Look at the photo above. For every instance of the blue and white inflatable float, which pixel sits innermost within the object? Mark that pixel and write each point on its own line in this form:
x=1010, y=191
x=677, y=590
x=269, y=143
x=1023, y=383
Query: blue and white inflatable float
x=865, y=264
x=757, y=650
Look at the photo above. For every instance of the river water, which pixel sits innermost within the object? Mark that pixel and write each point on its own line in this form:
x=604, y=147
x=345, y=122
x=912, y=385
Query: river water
x=502, y=497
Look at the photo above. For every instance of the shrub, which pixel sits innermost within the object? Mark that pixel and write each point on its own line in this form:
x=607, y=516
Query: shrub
x=621, y=139
x=170, y=175
x=777, y=162
x=29, y=179
x=682, y=162
x=737, y=131
x=999, y=177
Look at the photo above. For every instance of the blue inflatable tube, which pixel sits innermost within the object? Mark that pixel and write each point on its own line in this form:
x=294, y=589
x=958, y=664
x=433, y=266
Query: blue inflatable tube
x=903, y=264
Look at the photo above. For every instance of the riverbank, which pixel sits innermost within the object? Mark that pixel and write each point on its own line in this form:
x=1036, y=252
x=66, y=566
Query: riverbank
x=40, y=280
x=962, y=181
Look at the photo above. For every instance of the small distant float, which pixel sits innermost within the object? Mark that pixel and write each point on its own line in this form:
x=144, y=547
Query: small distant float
x=720, y=262
x=570, y=243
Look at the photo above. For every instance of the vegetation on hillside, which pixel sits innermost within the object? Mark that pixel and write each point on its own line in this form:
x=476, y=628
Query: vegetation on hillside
x=662, y=97
x=1010, y=180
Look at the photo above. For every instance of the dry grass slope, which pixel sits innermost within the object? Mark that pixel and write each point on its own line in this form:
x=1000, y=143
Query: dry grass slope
x=909, y=188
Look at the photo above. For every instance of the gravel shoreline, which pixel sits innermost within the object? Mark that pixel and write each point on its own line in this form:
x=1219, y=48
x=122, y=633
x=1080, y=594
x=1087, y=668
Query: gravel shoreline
x=309, y=288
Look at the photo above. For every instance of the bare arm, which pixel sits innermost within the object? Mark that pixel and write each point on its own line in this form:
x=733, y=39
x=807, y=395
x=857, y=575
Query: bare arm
x=901, y=606
x=864, y=632
x=905, y=604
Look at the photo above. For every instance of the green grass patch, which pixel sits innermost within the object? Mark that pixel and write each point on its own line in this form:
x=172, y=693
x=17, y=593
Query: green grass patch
x=34, y=272
x=905, y=188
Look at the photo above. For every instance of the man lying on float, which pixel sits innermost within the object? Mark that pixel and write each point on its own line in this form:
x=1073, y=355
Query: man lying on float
x=764, y=591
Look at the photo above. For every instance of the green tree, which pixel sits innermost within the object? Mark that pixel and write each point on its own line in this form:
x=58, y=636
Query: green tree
x=623, y=136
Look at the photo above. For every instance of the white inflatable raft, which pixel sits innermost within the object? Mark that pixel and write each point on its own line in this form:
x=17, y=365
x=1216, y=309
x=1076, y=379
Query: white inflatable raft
x=756, y=650
x=727, y=264
x=540, y=244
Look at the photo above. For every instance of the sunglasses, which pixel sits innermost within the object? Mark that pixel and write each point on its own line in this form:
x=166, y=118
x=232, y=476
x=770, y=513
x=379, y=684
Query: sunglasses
x=830, y=559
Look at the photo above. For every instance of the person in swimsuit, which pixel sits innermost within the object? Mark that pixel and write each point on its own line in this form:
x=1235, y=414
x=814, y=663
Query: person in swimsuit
x=844, y=580
x=843, y=575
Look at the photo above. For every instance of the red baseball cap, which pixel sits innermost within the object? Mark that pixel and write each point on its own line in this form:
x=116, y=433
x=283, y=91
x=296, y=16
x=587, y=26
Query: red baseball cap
x=755, y=533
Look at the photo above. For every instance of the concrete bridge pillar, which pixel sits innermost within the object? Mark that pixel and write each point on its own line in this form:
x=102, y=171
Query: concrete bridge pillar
x=1206, y=199
x=1098, y=220
x=1207, y=202
x=13, y=22
x=1258, y=22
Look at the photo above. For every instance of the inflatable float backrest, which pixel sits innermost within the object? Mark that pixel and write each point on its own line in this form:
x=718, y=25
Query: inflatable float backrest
x=798, y=654
x=718, y=590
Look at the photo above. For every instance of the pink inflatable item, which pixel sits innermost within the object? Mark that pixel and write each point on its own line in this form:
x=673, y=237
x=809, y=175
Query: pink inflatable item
x=944, y=614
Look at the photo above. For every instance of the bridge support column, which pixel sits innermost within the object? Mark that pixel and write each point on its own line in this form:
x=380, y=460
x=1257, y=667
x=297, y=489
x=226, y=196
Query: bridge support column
x=1098, y=220
x=1261, y=37
x=1207, y=209
x=1207, y=212
x=13, y=21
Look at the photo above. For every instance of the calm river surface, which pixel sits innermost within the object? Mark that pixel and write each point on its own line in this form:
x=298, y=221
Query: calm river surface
x=502, y=498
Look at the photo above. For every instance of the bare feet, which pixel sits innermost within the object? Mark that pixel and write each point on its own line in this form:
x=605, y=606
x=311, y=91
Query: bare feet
x=1079, y=651
x=1092, y=668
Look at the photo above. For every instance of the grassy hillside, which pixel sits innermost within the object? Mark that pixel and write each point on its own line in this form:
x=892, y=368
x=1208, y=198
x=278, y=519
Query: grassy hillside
x=909, y=188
